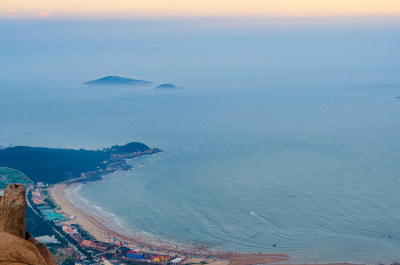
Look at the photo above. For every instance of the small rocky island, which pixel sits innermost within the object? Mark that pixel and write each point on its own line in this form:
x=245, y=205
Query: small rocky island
x=117, y=81
x=167, y=86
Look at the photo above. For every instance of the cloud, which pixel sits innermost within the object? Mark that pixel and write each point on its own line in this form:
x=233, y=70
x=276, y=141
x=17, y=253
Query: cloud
x=196, y=8
x=44, y=14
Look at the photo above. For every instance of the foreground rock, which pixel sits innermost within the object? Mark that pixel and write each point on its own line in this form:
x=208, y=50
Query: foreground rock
x=12, y=210
x=15, y=250
x=16, y=246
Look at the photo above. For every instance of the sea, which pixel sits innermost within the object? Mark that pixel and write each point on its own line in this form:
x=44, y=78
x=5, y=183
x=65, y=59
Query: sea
x=285, y=137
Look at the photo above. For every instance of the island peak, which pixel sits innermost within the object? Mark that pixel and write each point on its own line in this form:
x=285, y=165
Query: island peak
x=112, y=80
x=167, y=86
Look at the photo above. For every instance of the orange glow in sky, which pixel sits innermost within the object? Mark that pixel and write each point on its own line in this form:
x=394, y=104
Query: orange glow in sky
x=196, y=8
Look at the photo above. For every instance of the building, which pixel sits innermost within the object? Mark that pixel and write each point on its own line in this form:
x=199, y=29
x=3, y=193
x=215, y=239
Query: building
x=161, y=258
x=122, y=250
x=37, y=200
x=94, y=244
x=176, y=261
x=68, y=229
x=86, y=243
x=134, y=254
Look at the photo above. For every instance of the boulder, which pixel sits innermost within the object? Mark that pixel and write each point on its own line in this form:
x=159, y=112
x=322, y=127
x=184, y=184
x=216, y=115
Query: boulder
x=12, y=210
x=16, y=250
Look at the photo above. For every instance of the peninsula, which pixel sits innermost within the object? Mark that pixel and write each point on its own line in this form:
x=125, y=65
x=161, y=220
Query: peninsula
x=52, y=165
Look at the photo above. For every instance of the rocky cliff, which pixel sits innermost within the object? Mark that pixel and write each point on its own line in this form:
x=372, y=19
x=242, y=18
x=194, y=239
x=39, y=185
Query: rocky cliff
x=16, y=245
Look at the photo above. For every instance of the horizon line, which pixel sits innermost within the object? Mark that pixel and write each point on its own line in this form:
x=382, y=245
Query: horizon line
x=207, y=17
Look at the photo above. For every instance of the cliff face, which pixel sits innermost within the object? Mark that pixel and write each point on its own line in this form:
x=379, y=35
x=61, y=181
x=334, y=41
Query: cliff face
x=16, y=246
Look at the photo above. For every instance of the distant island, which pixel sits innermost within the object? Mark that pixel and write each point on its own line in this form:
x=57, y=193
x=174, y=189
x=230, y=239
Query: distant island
x=58, y=165
x=112, y=80
x=117, y=80
x=167, y=86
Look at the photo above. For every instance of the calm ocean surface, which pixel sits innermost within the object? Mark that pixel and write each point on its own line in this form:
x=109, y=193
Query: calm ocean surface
x=288, y=138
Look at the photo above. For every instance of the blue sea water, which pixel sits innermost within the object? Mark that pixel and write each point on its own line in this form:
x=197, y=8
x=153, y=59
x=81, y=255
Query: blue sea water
x=287, y=137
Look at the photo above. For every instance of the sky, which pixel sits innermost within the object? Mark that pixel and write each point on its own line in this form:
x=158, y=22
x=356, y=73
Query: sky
x=196, y=8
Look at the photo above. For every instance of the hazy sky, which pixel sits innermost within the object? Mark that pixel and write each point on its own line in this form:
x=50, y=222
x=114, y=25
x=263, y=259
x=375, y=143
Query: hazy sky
x=190, y=8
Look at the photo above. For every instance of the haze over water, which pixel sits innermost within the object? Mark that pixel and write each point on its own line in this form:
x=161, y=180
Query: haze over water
x=285, y=135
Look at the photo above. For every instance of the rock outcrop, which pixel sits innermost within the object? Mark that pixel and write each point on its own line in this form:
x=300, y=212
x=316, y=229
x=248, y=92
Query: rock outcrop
x=12, y=210
x=16, y=246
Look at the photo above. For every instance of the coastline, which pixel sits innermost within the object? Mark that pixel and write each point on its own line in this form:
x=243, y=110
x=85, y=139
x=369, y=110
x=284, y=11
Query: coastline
x=102, y=233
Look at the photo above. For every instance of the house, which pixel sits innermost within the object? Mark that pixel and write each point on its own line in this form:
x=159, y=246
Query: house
x=86, y=243
x=123, y=250
x=161, y=258
x=176, y=261
x=134, y=254
x=68, y=229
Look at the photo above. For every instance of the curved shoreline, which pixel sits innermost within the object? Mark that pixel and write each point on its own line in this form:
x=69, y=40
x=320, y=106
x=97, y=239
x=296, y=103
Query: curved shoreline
x=104, y=234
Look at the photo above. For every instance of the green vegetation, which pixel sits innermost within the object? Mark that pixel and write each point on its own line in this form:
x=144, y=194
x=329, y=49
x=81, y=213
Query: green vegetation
x=128, y=148
x=8, y=176
x=57, y=165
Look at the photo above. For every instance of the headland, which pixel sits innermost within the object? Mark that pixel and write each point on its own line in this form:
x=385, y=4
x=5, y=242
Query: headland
x=56, y=165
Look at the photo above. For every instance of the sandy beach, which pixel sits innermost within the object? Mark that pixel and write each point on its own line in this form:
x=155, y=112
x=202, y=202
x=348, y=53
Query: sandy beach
x=92, y=226
x=104, y=234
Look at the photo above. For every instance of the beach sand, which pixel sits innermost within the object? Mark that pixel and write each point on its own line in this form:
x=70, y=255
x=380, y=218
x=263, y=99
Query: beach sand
x=249, y=259
x=104, y=234
x=94, y=227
